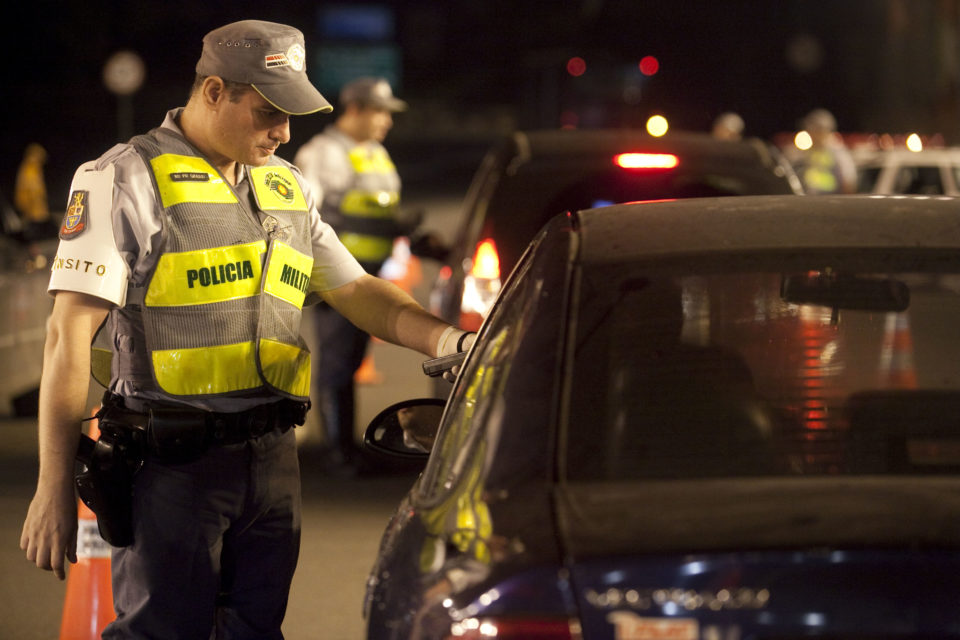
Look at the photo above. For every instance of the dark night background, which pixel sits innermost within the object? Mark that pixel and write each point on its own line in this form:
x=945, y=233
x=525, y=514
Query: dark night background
x=474, y=70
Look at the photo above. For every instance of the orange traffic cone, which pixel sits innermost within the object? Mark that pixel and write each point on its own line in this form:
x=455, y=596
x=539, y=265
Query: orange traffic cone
x=402, y=269
x=367, y=373
x=896, y=353
x=88, y=604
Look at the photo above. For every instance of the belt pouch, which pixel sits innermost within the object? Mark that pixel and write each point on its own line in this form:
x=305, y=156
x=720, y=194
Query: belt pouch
x=177, y=436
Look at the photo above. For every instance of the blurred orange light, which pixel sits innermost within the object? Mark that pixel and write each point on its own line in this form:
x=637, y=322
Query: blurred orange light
x=646, y=160
x=649, y=65
x=486, y=261
x=576, y=66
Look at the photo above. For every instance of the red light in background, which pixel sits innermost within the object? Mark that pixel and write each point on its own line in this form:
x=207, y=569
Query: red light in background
x=576, y=66
x=649, y=65
x=646, y=160
x=569, y=119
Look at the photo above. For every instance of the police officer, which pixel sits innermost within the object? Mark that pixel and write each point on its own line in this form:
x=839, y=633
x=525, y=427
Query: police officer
x=728, y=126
x=348, y=163
x=827, y=166
x=198, y=246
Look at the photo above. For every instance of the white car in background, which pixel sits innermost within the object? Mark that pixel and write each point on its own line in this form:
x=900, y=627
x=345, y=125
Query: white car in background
x=901, y=171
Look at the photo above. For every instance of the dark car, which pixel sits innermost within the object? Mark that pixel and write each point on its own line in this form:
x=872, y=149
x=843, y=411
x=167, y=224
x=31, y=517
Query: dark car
x=715, y=418
x=531, y=176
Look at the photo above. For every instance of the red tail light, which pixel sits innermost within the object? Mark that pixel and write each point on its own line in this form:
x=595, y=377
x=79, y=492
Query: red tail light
x=646, y=160
x=515, y=629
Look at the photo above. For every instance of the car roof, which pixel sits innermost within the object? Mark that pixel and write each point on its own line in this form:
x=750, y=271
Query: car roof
x=542, y=145
x=757, y=223
x=949, y=155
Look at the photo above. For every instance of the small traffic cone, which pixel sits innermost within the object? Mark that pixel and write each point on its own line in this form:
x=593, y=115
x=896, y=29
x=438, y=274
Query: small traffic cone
x=88, y=604
x=896, y=353
x=367, y=373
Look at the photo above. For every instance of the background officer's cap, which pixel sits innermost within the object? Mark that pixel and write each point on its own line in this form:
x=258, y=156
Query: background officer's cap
x=371, y=92
x=268, y=56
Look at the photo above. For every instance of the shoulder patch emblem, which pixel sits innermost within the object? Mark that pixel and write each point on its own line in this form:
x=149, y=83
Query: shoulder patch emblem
x=75, y=218
x=279, y=186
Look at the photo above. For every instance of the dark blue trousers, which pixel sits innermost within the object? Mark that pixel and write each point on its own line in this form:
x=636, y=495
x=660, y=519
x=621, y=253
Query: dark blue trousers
x=215, y=545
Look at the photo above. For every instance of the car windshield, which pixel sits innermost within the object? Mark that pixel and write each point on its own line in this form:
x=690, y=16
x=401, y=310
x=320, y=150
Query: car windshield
x=767, y=365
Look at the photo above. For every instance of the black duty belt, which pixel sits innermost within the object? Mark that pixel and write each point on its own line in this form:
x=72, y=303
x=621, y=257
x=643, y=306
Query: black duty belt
x=183, y=433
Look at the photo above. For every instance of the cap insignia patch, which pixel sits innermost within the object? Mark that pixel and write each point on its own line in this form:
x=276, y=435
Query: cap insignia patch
x=297, y=57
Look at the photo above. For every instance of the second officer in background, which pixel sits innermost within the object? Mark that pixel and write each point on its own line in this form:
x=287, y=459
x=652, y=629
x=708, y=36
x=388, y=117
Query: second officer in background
x=348, y=163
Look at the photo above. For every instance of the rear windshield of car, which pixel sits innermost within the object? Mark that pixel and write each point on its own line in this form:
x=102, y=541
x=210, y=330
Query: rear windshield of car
x=525, y=199
x=764, y=369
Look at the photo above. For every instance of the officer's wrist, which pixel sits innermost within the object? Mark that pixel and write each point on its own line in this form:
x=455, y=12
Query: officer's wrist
x=454, y=340
x=465, y=341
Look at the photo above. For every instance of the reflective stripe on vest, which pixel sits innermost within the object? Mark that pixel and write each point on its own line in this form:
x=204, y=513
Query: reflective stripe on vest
x=288, y=274
x=365, y=160
x=232, y=367
x=206, y=275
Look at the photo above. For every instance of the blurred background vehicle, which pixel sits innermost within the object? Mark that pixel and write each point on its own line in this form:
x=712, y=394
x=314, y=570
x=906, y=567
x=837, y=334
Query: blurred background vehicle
x=26, y=254
x=713, y=418
x=927, y=172
x=531, y=176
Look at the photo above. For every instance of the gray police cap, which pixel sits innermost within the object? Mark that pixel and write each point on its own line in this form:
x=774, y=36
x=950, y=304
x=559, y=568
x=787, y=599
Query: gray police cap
x=268, y=56
x=375, y=92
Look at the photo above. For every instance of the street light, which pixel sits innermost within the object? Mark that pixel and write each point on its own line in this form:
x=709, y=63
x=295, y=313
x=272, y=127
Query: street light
x=123, y=75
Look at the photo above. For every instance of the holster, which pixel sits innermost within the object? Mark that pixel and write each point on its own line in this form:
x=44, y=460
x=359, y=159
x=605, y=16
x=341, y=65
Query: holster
x=105, y=480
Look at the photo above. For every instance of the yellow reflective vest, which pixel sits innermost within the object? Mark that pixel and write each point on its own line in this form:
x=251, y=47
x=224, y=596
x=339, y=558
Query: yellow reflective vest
x=365, y=216
x=219, y=314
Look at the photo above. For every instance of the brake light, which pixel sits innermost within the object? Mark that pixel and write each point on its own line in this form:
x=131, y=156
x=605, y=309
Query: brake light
x=515, y=629
x=481, y=285
x=646, y=160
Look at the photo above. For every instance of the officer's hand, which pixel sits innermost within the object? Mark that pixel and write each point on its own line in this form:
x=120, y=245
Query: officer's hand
x=50, y=528
x=463, y=344
x=428, y=245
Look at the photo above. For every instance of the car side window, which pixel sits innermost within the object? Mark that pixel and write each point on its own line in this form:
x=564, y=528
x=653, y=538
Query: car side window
x=867, y=179
x=463, y=437
x=921, y=180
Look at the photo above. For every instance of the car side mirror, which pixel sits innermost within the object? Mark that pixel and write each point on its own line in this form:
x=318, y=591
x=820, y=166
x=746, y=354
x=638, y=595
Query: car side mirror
x=406, y=429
